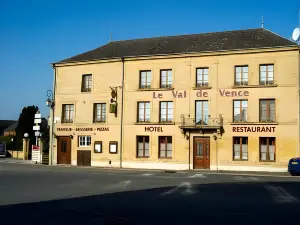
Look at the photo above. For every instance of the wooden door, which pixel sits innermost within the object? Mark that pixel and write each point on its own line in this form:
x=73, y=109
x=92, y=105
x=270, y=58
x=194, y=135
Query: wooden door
x=63, y=150
x=201, y=153
x=83, y=158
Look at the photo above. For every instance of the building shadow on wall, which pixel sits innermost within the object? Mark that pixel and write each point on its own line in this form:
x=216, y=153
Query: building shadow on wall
x=226, y=203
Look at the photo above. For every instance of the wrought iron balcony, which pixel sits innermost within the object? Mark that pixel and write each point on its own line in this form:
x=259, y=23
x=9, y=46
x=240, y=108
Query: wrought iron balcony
x=205, y=123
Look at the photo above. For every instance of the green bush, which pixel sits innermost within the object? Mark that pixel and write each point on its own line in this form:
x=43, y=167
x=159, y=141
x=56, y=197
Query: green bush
x=5, y=139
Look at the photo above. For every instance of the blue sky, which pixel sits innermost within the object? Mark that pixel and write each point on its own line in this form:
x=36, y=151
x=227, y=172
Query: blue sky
x=34, y=33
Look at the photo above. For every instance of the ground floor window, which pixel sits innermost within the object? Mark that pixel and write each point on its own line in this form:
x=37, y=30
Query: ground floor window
x=240, y=148
x=142, y=146
x=84, y=141
x=267, y=148
x=165, y=147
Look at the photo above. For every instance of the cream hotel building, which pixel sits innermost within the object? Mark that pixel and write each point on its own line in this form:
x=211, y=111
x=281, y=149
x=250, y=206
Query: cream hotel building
x=217, y=101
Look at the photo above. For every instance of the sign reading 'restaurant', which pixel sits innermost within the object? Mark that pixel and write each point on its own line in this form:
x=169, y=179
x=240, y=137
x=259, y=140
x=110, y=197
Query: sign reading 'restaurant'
x=253, y=129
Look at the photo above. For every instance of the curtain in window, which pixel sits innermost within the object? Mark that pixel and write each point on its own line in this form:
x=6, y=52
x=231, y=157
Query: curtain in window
x=263, y=152
x=237, y=151
x=244, y=151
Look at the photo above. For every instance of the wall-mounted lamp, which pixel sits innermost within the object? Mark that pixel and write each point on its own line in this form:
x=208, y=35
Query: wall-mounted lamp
x=50, y=100
x=215, y=137
x=71, y=136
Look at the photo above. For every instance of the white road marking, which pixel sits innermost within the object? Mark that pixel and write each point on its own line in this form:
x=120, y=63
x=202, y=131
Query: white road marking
x=126, y=182
x=280, y=195
x=122, y=184
x=146, y=174
x=197, y=175
x=245, y=178
x=186, y=186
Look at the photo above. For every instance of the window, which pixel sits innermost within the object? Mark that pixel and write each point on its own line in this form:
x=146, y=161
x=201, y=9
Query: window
x=145, y=79
x=113, y=147
x=86, y=85
x=202, y=112
x=202, y=77
x=241, y=75
x=143, y=111
x=63, y=145
x=142, y=146
x=166, y=111
x=166, y=78
x=165, y=147
x=266, y=74
x=98, y=146
x=267, y=110
x=99, y=112
x=84, y=141
x=68, y=113
x=240, y=108
x=240, y=148
x=267, y=148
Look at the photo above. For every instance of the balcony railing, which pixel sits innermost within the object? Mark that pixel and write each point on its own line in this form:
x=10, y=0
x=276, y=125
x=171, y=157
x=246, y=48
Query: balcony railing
x=241, y=83
x=267, y=82
x=202, y=84
x=166, y=86
x=145, y=86
x=86, y=89
x=206, y=122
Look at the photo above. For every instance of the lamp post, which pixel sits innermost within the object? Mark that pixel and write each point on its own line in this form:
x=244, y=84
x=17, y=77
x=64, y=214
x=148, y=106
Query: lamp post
x=50, y=103
x=25, y=154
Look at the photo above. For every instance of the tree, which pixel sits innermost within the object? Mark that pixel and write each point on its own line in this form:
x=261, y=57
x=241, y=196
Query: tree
x=25, y=125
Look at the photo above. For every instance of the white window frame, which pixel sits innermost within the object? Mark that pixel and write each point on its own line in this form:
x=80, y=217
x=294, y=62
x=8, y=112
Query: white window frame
x=84, y=141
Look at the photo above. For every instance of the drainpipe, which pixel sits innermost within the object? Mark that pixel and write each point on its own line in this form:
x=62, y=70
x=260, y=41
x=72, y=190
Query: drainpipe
x=189, y=150
x=217, y=109
x=52, y=108
x=122, y=106
x=298, y=147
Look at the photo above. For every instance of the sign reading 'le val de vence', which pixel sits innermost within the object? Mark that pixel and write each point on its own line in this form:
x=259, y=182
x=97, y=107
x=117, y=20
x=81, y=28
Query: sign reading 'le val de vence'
x=203, y=94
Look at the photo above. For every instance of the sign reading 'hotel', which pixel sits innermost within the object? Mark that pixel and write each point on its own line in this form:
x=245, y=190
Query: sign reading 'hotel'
x=204, y=94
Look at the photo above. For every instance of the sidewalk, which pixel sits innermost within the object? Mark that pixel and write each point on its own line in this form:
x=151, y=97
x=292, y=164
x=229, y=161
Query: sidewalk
x=197, y=171
x=15, y=161
x=245, y=173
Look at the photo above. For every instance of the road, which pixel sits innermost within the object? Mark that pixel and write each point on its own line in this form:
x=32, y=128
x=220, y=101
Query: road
x=31, y=194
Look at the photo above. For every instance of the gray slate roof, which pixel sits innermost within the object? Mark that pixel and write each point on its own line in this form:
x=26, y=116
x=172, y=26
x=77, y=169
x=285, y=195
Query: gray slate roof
x=205, y=42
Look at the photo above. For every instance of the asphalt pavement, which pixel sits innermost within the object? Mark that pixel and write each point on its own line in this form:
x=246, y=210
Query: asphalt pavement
x=32, y=194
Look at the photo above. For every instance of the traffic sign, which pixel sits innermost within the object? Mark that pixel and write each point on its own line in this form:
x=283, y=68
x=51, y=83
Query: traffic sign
x=35, y=148
x=36, y=127
x=37, y=116
x=37, y=121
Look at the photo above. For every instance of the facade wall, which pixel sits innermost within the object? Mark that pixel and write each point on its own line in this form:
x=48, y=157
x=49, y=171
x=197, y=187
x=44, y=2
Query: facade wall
x=68, y=91
x=183, y=96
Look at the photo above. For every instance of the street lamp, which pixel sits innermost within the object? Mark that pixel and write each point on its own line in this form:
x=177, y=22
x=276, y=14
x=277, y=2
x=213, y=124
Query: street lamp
x=25, y=154
x=51, y=103
x=50, y=100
